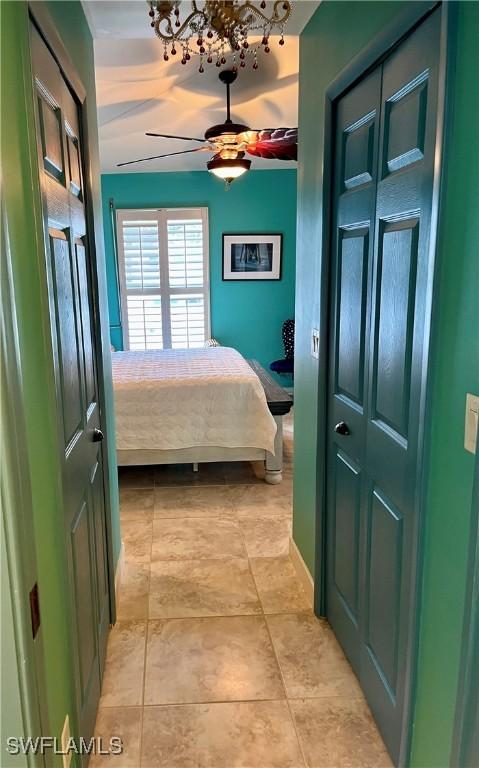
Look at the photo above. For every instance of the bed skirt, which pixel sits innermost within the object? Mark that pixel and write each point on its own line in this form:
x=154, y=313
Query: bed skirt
x=199, y=455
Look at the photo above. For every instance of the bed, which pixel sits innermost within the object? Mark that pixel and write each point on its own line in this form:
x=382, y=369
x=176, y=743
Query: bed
x=195, y=406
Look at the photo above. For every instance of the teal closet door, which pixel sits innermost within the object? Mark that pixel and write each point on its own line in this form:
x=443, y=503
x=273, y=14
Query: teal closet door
x=381, y=279
x=71, y=306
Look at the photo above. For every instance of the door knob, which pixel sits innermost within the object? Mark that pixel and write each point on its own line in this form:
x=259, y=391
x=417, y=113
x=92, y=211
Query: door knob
x=97, y=435
x=342, y=428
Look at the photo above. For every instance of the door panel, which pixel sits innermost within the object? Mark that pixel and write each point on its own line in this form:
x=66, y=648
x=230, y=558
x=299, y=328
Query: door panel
x=74, y=165
x=101, y=560
x=346, y=533
x=86, y=325
x=396, y=283
x=51, y=133
x=405, y=122
x=69, y=373
x=355, y=190
x=83, y=580
x=381, y=281
x=352, y=288
x=397, y=383
x=383, y=568
x=71, y=317
x=358, y=151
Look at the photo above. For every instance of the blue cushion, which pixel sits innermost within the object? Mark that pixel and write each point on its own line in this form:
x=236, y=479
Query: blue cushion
x=283, y=366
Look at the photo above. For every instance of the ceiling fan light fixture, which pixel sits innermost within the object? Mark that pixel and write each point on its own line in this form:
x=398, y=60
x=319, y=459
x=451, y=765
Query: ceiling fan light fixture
x=230, y=153
x=228, y=170
x=225, y=132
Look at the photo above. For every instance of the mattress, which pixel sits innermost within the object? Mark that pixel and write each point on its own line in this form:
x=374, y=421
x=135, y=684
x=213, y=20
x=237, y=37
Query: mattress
x=172, y=399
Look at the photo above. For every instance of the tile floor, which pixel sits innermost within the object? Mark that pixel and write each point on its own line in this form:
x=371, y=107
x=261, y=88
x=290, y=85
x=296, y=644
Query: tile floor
x=216, y=660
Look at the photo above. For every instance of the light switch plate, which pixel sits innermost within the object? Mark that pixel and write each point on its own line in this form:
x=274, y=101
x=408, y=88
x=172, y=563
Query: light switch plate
x=315, y=343
x=471, y=421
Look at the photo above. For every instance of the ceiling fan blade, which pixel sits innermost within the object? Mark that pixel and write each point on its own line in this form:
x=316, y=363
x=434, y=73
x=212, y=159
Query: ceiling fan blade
x=168, y=136
x=279, y=131
x=157, y=157
x=275, y=144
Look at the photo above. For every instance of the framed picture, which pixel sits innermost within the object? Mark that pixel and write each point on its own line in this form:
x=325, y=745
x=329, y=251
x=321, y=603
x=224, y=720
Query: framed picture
x=252, y=257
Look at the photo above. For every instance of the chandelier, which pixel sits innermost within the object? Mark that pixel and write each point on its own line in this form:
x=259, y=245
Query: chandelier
x=218, y=28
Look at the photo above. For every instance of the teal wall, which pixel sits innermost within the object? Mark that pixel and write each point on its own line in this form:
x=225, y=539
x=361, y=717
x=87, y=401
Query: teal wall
x=455, y=371
x=244, y=315
x=335, y=34
x=12, y=721
x=21, y=195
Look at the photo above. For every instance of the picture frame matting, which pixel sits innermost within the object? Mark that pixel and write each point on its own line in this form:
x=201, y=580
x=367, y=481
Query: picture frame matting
x=252, y=256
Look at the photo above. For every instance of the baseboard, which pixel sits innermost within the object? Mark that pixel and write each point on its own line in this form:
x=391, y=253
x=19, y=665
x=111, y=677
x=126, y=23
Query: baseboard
x=302, y=571
x=120, y=565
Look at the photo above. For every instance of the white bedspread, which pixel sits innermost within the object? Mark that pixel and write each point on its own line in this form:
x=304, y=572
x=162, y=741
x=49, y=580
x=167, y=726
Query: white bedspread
x=174, y=399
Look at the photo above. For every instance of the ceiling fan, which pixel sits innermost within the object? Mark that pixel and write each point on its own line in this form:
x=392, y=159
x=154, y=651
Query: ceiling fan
x=230, y=141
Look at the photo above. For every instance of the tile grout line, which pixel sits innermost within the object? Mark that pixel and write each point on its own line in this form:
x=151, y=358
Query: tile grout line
x=219, y=616
x=234, y=701
x=283, y=682
x=146, y=643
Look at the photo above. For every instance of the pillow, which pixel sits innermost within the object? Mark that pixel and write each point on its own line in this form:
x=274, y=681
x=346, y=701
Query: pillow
x=212, y=343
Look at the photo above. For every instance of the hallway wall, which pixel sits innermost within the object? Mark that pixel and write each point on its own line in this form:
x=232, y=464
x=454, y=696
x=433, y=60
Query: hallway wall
x=12, y=721
x=455, y=371
x=23, y=212
x=335, y=34
x=244, y=315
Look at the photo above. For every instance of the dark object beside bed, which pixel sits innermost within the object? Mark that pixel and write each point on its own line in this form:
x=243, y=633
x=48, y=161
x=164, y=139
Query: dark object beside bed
x=286, y=366
x=279, y=400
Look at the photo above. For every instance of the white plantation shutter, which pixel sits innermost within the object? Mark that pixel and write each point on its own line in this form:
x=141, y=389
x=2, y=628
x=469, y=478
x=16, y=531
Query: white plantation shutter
x=142, y=254
x=163, y=260
x=187, y=321
x=145, y=325
x=185, y=253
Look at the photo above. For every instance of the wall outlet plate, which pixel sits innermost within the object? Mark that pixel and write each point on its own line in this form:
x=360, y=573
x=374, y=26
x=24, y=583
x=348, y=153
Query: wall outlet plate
x=315, y=343
x=471, y=422
x=65, y=741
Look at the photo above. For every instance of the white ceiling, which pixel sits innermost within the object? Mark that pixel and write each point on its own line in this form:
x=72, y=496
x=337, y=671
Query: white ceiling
x=126, y=19
x=137, y=91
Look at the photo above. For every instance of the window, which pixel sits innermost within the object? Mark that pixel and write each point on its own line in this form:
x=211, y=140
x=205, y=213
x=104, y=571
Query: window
x=164, y=281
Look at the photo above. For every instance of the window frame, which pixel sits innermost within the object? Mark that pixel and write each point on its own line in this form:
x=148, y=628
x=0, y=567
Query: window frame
x=161, y=216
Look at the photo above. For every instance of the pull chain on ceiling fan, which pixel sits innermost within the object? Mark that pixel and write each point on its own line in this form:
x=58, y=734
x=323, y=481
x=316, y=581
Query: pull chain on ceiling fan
x=230, y=141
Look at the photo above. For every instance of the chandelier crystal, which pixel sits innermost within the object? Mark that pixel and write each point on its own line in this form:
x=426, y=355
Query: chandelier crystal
x=217, y=28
